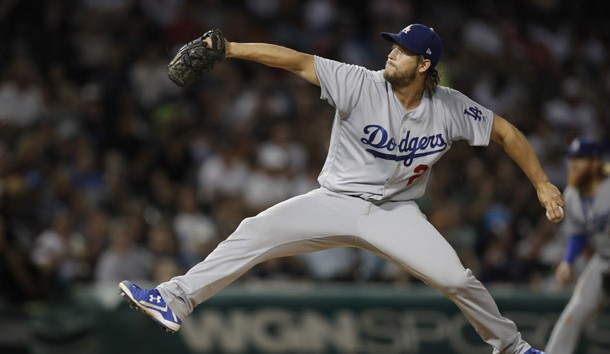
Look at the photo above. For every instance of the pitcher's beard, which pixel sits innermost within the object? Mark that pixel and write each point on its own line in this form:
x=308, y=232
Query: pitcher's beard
x=397, y=80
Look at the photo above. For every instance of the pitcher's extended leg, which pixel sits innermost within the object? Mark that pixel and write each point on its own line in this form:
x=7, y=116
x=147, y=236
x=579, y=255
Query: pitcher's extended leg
x=401, y=232
x=315, y=221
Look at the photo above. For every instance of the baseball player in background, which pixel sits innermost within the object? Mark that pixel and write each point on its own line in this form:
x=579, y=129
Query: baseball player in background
x=390, y=127
x=587, y=214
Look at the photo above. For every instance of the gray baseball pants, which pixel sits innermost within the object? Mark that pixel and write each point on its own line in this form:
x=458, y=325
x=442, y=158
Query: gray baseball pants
x=587, y=300
x=322, y=219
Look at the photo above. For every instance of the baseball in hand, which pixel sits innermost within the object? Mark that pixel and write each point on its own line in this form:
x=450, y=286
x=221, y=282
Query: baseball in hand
x=548, y=216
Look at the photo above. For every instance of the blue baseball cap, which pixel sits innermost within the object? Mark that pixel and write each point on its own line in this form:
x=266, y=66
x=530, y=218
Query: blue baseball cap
x=584, y=147
x=419, y=39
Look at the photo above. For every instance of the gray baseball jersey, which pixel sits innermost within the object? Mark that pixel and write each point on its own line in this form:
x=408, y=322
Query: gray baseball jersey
x=587, y=217
x=378, y=149
x=379, y=152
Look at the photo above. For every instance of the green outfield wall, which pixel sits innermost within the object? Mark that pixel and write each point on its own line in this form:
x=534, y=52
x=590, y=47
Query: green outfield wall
x=304, y=318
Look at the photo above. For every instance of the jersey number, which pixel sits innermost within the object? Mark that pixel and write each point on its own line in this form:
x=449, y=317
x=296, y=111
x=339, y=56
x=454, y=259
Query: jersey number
x=419, y=170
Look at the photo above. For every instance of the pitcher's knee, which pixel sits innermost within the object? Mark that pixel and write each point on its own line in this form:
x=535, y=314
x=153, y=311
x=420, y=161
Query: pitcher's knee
x=455, y=283
x=255, y=226
x=248, y=235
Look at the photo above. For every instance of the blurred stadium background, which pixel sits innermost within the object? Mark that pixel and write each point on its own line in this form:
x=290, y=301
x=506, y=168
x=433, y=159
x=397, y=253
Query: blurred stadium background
x=108, y=171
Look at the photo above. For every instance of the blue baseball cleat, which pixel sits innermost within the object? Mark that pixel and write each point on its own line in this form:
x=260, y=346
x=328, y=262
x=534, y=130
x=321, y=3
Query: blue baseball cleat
x=533, y=350
x=151, y=304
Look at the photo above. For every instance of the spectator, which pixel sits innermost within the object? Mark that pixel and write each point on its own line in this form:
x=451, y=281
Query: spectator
x=149, y=78
x=269, y=183
x=223, y=174
x=572, y=112
x=58, y=253
x=18, y=277
x=162, y=242
x=124, y=257
x=21, y=96
x=197, y=233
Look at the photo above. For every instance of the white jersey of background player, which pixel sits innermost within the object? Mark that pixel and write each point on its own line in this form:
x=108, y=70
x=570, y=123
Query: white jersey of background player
x=390, y=127
x=587, y=216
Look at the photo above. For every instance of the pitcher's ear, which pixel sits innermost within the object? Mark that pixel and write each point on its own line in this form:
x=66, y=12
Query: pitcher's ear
x=424, y=65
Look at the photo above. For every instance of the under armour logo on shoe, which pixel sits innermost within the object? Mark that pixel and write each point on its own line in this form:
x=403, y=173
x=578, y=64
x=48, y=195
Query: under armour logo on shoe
x=155, y=298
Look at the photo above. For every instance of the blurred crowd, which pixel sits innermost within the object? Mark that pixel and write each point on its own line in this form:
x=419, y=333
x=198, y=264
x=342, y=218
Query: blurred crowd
x=109, y=171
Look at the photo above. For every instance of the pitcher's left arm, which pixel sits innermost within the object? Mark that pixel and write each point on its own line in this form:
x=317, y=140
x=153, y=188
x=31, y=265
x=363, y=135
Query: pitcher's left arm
x=519, y=149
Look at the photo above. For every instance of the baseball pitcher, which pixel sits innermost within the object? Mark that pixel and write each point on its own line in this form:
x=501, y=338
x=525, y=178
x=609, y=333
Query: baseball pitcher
x=390, y=127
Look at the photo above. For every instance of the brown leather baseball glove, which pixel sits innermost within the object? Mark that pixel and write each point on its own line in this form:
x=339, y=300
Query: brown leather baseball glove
x=197, y=57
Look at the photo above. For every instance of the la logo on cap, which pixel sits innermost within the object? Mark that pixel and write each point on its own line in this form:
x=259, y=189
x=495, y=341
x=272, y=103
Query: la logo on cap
x=406, y=29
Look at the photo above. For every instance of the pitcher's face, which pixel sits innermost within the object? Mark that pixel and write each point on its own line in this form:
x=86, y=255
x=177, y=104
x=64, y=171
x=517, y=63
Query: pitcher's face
x=403, y=66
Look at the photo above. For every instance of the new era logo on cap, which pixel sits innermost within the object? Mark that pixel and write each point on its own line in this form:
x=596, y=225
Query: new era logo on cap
x=419, y=39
